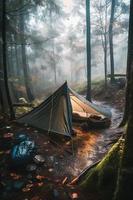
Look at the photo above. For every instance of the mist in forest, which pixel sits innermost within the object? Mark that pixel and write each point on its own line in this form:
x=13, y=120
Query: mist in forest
x=59, y=53
x=55, y=43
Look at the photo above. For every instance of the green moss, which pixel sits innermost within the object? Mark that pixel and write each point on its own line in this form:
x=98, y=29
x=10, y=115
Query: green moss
x=102, y=178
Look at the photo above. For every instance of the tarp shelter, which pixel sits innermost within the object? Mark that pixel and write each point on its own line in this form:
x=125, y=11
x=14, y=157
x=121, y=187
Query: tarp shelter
x=54, y=115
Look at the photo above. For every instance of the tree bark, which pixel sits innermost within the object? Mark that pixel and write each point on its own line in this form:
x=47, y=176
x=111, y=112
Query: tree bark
x=111, y=40
x=24, y=61
x=105, y=47
x=12, y=115
x=125, y=176
x=12, y=61
x=105, y=66
x=55, y=71
x=88, y=46
x=1, y=102
x=17, y=62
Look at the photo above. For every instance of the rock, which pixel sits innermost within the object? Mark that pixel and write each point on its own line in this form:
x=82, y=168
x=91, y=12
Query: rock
x=39, y=159
x=50, y=170
x=18, y=185
x=35, y=131
x=55, y=193
x=29, y=176
x=51, y=158
x=8, y=127
x=31, y=167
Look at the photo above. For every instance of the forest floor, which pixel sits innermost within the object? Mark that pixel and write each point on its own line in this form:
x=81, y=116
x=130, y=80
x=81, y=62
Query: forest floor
x=113, y=95
x=62, y=161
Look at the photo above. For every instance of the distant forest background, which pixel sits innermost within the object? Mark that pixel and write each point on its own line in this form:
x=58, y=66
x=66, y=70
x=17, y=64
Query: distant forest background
x=46, y=42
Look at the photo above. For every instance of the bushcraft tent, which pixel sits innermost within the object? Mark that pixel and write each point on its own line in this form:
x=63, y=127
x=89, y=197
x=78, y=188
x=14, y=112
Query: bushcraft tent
x=55, y=113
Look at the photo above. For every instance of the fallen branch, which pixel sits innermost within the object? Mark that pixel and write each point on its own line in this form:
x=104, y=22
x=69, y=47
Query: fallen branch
x=23, y=105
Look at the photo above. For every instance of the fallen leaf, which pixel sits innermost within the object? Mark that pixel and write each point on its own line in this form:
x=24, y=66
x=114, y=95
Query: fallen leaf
x=40, y=184
x=12, y=174
x=35, y=198
x=15, y=176
x=8, y=135
x=29, y=185
x=39, y=177
x=7, y=152
x=74, y=195
x=26, y=189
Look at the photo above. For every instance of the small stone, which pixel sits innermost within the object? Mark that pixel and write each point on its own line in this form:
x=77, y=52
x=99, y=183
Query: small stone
x=35, y=131
x=45, y=143
x=8, y=127
x=50, y=170
x=56, y=193
x=38, y=159
x=18, y=185
x=29, y=176
x=31, y=167
x=51, y=158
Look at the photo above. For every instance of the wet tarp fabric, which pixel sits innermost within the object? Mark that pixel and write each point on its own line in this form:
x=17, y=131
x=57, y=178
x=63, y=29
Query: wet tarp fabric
x=80, y=104
x=55, y=113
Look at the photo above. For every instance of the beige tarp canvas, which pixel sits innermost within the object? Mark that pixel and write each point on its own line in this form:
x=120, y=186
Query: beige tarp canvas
x=55, y=113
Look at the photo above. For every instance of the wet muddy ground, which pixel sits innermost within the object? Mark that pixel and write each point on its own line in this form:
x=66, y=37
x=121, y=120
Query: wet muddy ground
x=63, y=159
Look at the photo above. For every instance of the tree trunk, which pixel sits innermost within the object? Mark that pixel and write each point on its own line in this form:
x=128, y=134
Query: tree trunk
x=17, y=63
x=12, y=61
x=24, y=61
x=105, y=58
x=1, y=76
x=53, y=49
x=15, y=56
x=54, y=62
x=88, y=46
x=105, y=66
x=111, y=40
x=105, y=46
x=12, y=115
x=1, y=102
x=127, y=101
x=125, y=178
